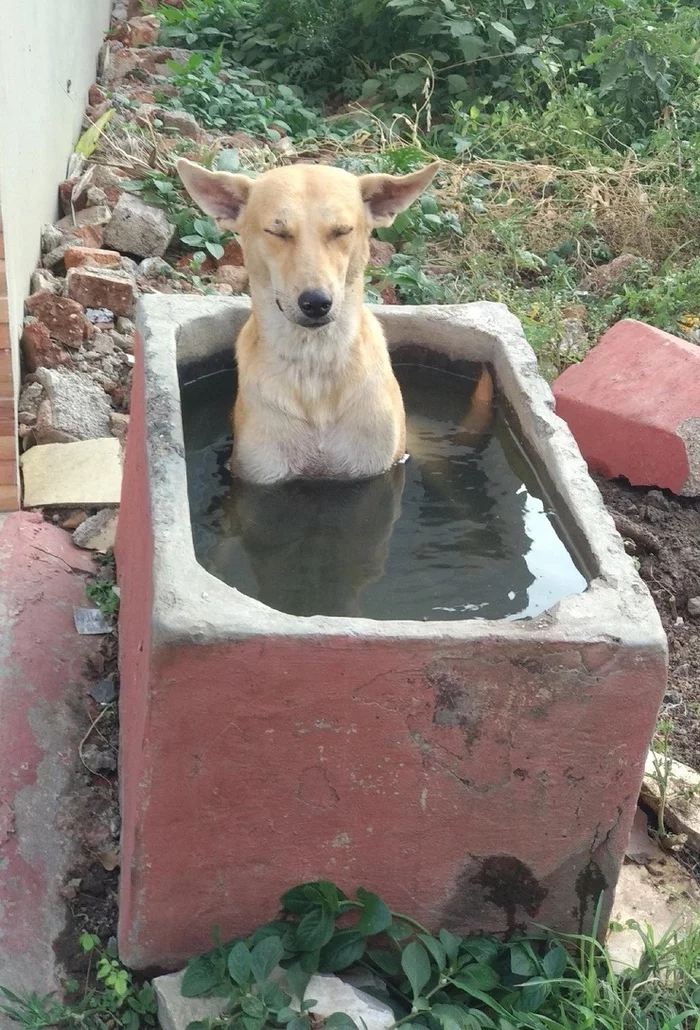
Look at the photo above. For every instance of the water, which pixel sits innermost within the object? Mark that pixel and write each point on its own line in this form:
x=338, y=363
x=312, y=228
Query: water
x=462, y=530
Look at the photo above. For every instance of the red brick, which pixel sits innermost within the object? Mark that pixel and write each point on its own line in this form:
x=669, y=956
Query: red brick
x=143, y=31
x=64, y=317
x=65, y=192
x=633, y=405
x=8, y=448
x=95, y=95
x=79, y=257
x=103, y=289
x=233, y=253
x=87, y=235
x=380, y=253
x=9, y=498
x=40, y=351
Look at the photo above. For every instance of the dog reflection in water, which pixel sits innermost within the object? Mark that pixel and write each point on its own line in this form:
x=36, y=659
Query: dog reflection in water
x=313, y=545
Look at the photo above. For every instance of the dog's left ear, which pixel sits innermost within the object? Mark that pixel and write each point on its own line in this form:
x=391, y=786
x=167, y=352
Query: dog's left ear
x=220, y=195
x=386, y=195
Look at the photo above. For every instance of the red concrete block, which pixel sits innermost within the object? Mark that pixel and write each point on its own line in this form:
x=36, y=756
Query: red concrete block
x=64, y=318
x=633, y=405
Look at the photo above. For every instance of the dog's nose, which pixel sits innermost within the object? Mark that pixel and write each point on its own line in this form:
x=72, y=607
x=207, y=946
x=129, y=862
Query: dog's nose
x=315, y=303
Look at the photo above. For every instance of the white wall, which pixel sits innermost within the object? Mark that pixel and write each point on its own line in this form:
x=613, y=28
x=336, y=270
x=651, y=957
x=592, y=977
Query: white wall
x=48, y=57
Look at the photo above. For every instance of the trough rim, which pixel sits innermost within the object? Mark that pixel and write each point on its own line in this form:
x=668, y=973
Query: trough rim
x=191, y=605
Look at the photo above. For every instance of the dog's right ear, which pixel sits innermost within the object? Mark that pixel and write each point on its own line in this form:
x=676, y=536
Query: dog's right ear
x=220, y=195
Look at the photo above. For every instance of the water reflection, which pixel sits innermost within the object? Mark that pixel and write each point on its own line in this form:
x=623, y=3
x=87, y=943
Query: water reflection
x=461, y=530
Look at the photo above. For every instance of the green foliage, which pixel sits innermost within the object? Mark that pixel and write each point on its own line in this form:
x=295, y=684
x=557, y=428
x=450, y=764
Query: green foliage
x=223, y=95
x=102, y=593
x=442, y=982
x=108, y=1000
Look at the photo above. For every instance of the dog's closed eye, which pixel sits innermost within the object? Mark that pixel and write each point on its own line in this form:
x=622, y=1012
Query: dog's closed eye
x=281, y=234
x=340, y=230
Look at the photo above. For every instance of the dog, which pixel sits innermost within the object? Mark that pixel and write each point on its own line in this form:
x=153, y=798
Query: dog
x=317, y=396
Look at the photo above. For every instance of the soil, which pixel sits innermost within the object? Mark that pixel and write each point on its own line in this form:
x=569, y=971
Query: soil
x=91, y=889
x=663, y=533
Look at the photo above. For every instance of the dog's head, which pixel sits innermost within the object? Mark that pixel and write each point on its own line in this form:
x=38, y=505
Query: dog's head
x=304, y=230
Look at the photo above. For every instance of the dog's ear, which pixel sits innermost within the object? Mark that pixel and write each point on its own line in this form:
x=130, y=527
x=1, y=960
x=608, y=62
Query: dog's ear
x=220, y=195
x=386, y=195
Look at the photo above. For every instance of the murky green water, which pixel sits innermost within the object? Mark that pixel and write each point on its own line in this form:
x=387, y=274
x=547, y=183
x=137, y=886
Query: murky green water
x=462, y=530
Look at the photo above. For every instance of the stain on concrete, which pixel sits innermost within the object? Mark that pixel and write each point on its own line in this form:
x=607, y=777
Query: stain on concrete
x=590, y=884
x=509, y=884
x=315, y=789
x=500, y=880
x=456, y=704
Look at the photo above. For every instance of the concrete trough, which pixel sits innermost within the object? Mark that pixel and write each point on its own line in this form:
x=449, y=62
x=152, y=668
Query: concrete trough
x=481, y=775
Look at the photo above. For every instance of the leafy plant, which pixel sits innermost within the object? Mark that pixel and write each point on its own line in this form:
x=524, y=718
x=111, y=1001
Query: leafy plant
x=102, y=593
x=205, y=235
x=108, y=999
x=441, y=981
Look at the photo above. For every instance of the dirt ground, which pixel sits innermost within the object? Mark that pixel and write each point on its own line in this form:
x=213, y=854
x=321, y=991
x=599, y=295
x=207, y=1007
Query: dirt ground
x=663, y=533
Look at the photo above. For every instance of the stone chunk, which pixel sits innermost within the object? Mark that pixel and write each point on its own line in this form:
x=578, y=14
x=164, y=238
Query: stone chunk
x=236, y=277
x=138, y=228
x=72, y=474
x=98, y=532
x=633, y=405
x=106, y=288
x=331, y=993
x=79, y=257
x=89, y=216
x=185, y=123
x=43, y=279
x=144, y=30
x=63, y=317
x=380, y=253
x=75, y=408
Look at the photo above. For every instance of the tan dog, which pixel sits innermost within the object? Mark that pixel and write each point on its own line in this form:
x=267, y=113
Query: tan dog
x=316, y=391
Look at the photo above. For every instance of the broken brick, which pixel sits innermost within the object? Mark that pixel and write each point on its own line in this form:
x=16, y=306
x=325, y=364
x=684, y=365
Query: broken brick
x=233, y=253
x=235, y=276
x=40, y=351
x=64, y=318
x=105, y=288
x=79, y=257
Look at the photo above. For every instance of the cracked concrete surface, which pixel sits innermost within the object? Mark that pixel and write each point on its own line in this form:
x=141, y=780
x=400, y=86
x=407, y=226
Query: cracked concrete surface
x=42, y=575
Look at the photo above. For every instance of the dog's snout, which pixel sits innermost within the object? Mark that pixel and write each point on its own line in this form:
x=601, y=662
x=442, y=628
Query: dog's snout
x=315, y=303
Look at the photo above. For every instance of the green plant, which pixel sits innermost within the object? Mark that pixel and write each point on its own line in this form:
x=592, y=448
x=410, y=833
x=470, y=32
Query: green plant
x=108, y=999
x=205, y=235
x=102, y=593
x=442, y=981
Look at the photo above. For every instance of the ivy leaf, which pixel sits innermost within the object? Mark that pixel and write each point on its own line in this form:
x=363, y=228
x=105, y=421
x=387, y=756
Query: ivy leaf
x=388, y=961
x=435, y=948
x=521, y=961
x=344, y=948
x=300, y=900
x=399, y=931
x=215, y=249
x=457, y=84
x=409, y=82
x=376, y=916
x=416, y=965
x=297, y=980
x=504, y=31
x=239, y=964
x=315, y=929
x=478, y=977
x=554, y=962
x=471, y=47
x=264, y=957
x=450, y=943
x=300, y=1023
x=450, y=1017
x=339, y=1021
x=201, y=976
x=252, y=1006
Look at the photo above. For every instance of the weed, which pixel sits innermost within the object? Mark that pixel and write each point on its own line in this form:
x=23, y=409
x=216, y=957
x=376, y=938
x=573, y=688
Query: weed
x=104, y=594
x=108, y=999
